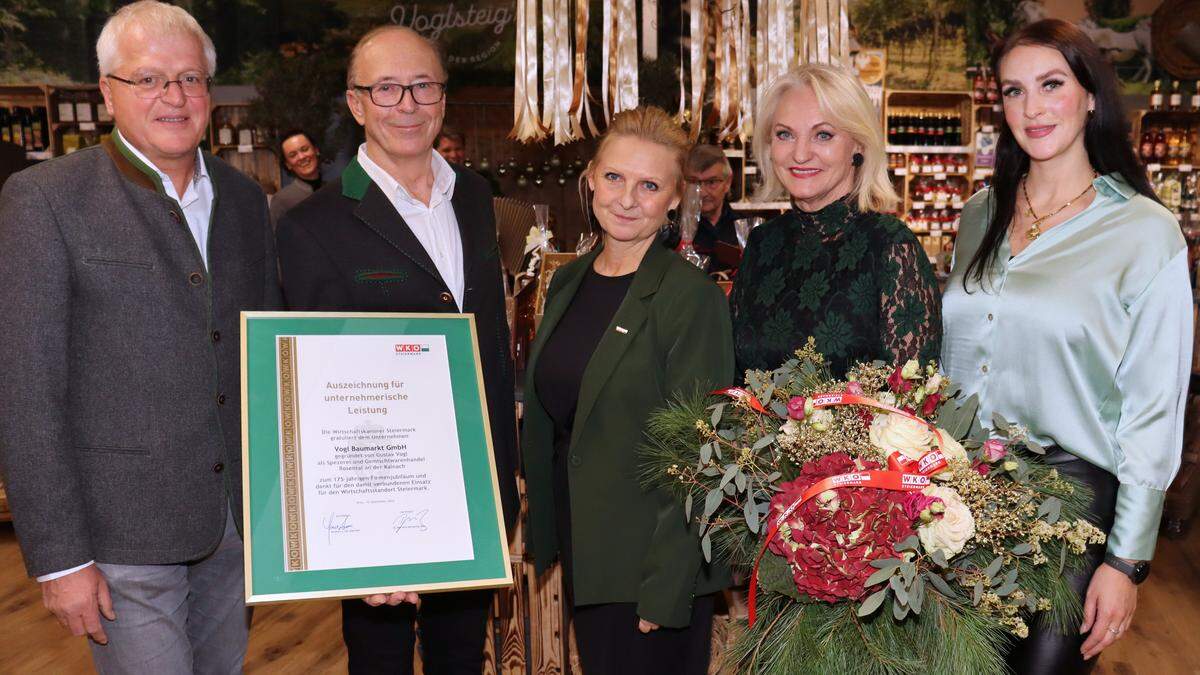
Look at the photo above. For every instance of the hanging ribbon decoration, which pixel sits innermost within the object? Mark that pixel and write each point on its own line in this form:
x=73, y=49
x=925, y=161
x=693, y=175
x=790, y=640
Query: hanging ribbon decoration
x=627, y=63
x=526, y=126
x=698, y=38
x=825, y=34
x=746, y=105
x=581, y=97
x=563, y=94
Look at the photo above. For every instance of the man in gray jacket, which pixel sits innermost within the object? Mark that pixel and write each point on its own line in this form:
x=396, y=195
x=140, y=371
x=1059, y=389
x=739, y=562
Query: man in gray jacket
x=123, y=268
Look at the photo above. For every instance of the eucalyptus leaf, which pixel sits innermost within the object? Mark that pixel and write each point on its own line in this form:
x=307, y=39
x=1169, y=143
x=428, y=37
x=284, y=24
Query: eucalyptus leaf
x=1023, y=548
x=939, y=557
x=886, y=563
x=763, y=442
x=687, y=508
x=1001, y=423
x=711, y=471
x=1006, y=590
x=731, y=470
x=750, y=511
x=1031, y=603
x=779, y=408
x=1035, y=448
x=727, y=434
x=1062, y=559
x=899, y=590
x=718, y=410
x=739, y=480
x=1050, y=509
x=774, y=476
x=706, y=452
x=994, y=567
x=768, y=392
x=711, y=501
x=978, y=594
x=899, y=611
x=1011, y=577
x=909, y=544
x=940, y=584
x=880, y=576
x=916, y=595
x=706, y=547
x=730, y=489
x=872, y=603
x=909, y=572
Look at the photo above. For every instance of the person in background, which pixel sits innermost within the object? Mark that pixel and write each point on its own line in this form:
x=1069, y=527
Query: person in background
x=708, y=167
x=1069, y=310
x=122, y=276
x=836, y=267
x=426, y=231
x=627, y=326
x=302, y=158
x=451, y=144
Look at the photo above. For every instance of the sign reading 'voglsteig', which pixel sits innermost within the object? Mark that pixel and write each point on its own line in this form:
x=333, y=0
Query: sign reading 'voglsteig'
x=473, y=32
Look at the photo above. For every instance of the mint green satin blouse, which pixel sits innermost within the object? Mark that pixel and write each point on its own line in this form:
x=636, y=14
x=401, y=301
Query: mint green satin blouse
x=1085, y=337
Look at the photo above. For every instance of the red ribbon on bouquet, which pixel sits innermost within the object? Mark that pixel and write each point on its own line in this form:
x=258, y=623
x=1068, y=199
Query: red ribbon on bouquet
x=886, y=480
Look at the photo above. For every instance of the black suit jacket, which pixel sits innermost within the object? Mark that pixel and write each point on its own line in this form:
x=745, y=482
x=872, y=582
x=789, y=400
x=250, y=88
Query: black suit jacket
x=346, y=248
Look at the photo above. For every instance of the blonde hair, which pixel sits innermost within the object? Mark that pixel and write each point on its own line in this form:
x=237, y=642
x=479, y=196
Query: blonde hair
x=652, y=124
x=438, y=51
x=155, y=18
x=845, y=103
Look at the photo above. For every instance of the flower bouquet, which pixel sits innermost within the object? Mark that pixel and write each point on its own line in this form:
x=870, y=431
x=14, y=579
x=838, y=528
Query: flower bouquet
x=882, y=531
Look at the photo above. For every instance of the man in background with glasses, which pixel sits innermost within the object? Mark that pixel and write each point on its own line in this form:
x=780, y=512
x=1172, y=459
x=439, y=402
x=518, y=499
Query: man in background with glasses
x=708, y=167
x=404, y=231
x=123, y=268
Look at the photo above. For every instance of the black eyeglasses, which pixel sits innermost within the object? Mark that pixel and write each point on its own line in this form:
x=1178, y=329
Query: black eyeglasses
x=193, y=85
x=389, y=94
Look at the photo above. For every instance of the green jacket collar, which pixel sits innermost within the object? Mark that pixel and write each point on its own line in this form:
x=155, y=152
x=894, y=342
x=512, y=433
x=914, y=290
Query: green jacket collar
x=355, y=181
x=138, y=172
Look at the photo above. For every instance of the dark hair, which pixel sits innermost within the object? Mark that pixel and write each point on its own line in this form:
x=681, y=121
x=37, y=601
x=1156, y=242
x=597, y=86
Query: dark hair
x=290, y=133
x=451, y=133
x=1105, y=135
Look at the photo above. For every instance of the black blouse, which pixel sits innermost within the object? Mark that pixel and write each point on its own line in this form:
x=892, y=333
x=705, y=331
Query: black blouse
x=859, y=283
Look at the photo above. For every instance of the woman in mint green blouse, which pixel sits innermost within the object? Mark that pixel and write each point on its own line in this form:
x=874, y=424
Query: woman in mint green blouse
x=1069, y=310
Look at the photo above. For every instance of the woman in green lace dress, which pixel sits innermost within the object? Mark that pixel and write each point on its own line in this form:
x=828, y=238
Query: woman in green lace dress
x=834, y=267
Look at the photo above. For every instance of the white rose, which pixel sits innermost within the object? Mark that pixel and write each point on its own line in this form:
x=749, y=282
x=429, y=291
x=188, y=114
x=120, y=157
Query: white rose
x=910, y=370
x=953, y=530
x=821, y=420
x=789, y=428
x=887, y=398
x=953, y=451
x=897, y=433
x=934, y=382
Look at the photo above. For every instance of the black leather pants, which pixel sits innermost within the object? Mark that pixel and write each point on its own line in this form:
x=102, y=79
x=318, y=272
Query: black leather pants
x=1046, y=651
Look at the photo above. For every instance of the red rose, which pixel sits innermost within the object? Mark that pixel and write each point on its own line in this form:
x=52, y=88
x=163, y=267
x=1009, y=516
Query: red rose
x=897, y=383
x=796, y=408
x=930, y=405
x=854, y=388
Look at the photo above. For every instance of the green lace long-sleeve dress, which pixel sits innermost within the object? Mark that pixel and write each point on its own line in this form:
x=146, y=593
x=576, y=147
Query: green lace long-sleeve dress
x=858, y=282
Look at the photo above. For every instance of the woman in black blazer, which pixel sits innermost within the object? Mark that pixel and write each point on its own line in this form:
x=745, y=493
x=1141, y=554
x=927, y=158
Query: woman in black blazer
x=625, y=328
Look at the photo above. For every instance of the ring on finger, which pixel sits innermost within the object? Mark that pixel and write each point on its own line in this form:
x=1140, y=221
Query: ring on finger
x=1115, y=631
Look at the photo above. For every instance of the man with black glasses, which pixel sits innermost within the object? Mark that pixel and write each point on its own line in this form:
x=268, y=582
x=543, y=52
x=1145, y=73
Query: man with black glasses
x=404, y=231
x=123, y=268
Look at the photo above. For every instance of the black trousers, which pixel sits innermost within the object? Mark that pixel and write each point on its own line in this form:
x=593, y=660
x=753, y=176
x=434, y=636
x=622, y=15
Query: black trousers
x=380, y=640
x=610, y=643
x=1046, y=651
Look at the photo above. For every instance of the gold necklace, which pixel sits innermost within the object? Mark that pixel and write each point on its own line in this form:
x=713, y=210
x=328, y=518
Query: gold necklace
x=1034, y=231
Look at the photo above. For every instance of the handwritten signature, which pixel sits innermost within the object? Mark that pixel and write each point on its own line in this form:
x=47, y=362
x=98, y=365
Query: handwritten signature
x=337, y=523
x=410, y=520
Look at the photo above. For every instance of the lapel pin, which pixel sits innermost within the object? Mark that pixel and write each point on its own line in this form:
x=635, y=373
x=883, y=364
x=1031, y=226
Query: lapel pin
x=621, y=330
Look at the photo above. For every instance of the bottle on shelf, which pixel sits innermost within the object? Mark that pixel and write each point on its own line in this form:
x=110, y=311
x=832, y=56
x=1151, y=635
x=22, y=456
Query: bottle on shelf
x=1196, y=96
x=1146, y=146
x=37, y=128
x=83, y=109
x=5, y=130
x=245, y=134
x=978, y=87
x=1175, y=101
x=225, y=133
x=1160, y=145
x=1156, y=96
x=66, y=106
x=993, y=90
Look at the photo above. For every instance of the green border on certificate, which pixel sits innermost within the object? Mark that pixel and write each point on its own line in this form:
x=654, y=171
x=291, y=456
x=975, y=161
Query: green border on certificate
x=314, y=509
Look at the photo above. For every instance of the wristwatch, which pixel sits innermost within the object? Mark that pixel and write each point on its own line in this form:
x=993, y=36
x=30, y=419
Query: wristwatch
x=1136, y=571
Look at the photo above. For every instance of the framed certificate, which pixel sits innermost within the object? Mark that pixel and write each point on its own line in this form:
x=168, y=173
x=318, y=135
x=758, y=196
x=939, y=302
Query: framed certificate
x=367, y=460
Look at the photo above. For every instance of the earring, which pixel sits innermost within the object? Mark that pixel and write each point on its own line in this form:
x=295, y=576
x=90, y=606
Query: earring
x=856, y=159
x=672, y=215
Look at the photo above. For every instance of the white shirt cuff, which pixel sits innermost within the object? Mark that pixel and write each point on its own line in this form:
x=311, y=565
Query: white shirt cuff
x=56, y=575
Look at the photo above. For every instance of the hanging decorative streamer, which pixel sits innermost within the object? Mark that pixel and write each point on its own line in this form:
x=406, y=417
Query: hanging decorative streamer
x=825, y=32
x=746, y=108
x=698, y=37
x=563, y=93
x=581, y=96
x=608, y=59
x=526, y=126
x=650, y=30
x=626, y=48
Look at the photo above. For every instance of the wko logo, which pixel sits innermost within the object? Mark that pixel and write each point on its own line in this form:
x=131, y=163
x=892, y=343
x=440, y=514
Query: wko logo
x=411, y=348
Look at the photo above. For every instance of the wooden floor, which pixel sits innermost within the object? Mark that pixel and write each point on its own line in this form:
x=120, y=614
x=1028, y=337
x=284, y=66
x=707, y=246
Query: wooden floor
x=306, y=637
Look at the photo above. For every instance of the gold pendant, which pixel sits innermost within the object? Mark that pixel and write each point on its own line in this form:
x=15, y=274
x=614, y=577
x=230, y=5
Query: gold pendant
x=1033, y=232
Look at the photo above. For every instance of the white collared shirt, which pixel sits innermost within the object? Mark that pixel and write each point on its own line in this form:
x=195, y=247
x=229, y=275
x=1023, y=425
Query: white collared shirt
x=197, y=200
x=435, y=224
